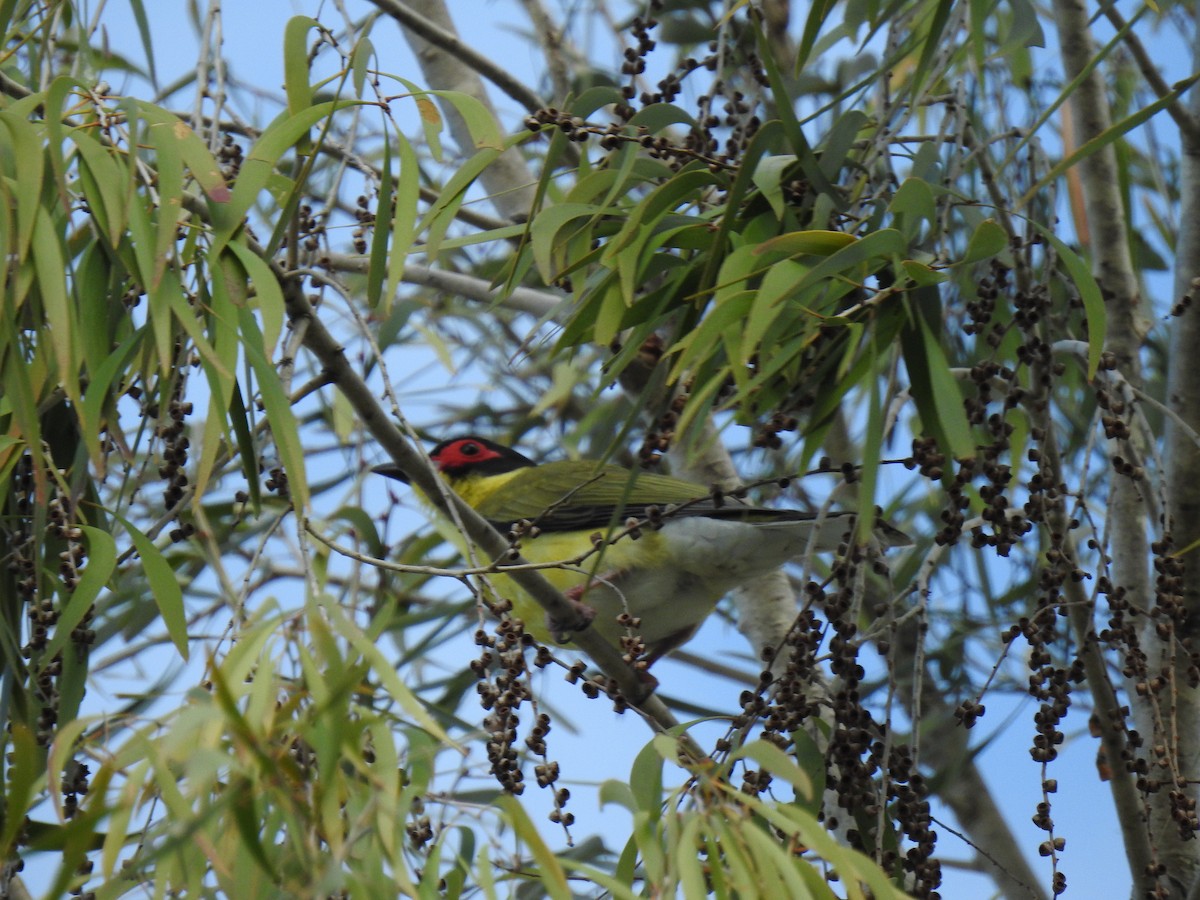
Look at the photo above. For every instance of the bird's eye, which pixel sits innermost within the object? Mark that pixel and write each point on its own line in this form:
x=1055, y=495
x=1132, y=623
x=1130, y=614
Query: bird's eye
x=468, y=449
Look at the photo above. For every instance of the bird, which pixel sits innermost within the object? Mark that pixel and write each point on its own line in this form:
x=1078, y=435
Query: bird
x=679, y=547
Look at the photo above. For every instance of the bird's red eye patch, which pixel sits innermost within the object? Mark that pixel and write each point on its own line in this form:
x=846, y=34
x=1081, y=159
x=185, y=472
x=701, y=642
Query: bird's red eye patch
x=462, y=454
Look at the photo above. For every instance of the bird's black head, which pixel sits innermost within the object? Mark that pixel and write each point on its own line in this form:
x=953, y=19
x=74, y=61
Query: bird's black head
x=468, y=455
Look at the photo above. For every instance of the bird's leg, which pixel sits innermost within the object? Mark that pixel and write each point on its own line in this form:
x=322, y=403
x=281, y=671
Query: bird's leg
x=663, y=646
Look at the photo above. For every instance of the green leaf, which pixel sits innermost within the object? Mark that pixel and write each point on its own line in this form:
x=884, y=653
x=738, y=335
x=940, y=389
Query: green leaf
x=404, y=219
x=691, y=873
x=1026, y=26
x=51, y=268
x=384, y=212
x=295, y=69
x=932, y=45
x=101, y=379
x=161, y=301
x=104, y=187
x=544, y=232
x=221, y=373
x=778, y=763
x=7, y=234
x=658, y=117
x=29, y=154
x=791, y=129
x=1089, y=293
x=268, y=293
x=169, y=168
x=814, y=242
x=767, y=137
x=702, y=341
x=818, y=14
x=284, y=427
x=19, y=391
x=768, y=178
x=911, y=206
x=875, y=247
x=443, y=210
x=101, y=561
x=24, y=777
x=811, y=760
x=551, y=877
x=482, y=125
x=935, y=391
x=594, y=98
x=923, y=275
x=872, y=451
x=191, y=149
x=227, y=291
x=778, y=285
x=240, y=422
x=143, y=27
x=247, y=818
x=646, y=780
x=988, y=240
x=431, y=119
x=56, y=121
x=615, y=791
x=609, y=314
x=164, y=587
x=838, y=142
x=385, y=671
x=360, y=59
x=683, y=188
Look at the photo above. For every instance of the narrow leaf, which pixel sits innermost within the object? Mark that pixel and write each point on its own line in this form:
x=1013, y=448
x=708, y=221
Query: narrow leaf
x=1089, y=293
x=295, y=69
x=284, y=427
x=164, y=587
x=101, y=561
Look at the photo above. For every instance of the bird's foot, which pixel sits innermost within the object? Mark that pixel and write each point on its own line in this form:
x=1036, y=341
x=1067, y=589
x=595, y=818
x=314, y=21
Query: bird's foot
x=584, y=616
x=650, y=682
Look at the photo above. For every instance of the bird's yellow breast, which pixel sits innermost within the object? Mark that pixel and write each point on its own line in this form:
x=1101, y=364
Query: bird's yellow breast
x=619, y=559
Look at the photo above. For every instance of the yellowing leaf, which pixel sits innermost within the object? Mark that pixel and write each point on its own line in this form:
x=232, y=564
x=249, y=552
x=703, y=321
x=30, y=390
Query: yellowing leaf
x=428, y=111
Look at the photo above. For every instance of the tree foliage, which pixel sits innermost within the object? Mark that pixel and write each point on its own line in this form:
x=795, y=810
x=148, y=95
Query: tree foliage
x=905, y=252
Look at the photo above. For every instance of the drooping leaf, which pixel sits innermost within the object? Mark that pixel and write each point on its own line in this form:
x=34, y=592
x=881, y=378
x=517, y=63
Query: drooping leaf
x=164, y=587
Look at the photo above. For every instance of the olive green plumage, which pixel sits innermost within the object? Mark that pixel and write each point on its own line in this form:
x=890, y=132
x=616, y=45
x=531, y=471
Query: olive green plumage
x=670, y=578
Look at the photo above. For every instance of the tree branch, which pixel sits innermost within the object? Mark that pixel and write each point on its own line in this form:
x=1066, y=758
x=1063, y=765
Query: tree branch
x=1146, y=844
x=425, y=26
x=521, y=299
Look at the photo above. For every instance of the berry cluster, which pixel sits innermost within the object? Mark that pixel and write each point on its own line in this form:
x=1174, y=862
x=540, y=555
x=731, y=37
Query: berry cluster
x=503, y=670
x=717, y=138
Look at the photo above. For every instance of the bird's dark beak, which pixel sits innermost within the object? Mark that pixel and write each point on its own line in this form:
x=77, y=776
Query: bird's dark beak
x=391, y=470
